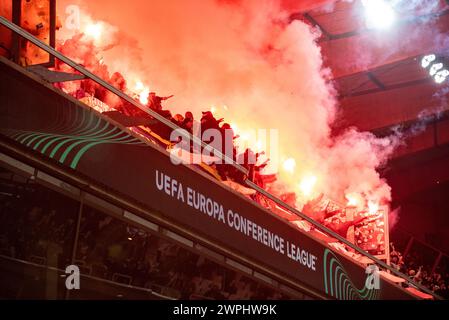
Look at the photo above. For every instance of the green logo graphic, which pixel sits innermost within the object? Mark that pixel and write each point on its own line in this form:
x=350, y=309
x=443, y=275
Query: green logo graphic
x=338, y=284
x=68, y=148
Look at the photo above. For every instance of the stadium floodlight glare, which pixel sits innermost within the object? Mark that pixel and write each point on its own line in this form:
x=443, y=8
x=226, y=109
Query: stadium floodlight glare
x=435, y=68
x=379, y=14
x=438, y=67
x=441, y=76
x=427, y=60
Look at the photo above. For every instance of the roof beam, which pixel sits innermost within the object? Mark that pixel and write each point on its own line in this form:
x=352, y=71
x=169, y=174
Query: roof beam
x=380, y=112
x=388, y=108
x=382, y=87
x=376, y=81
x=372, y=49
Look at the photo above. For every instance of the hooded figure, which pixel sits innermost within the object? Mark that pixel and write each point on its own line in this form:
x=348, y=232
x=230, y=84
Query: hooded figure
x=155, y=102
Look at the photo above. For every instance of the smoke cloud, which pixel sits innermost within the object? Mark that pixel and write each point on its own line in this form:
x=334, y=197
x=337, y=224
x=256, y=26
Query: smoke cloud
x=258, y=69
x=393, y=218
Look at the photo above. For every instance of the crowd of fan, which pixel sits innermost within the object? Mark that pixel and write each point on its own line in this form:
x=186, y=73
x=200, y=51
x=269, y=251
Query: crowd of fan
x=414, y=266
x=112, y=250
x=109, y=249
x=82, y=50
x=247, y=158
x=35, y=233
x=437, y=281
x=34, y=229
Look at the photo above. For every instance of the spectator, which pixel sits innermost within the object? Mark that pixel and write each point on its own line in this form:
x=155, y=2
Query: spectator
x=187, y=123
x=155, y=102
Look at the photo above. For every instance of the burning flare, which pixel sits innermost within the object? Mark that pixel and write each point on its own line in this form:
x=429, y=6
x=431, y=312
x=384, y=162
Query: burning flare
x=94, y=31
x=307, y=185
x=290, y=165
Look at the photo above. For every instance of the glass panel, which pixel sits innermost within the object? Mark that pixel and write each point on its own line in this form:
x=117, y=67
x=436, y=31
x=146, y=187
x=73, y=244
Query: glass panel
x=37, y=232
x=111, y=249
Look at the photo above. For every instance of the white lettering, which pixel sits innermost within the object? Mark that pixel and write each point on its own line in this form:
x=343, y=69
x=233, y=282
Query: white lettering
x=234, y=220
x=159, y=182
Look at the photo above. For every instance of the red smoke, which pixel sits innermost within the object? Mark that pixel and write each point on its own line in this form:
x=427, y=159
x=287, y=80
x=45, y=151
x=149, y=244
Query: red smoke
x=255, y=68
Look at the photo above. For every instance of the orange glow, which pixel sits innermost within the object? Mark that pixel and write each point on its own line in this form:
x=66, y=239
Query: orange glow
x=353, y=200
x=373, y=207
x=139, y=86
x=242, y=98
x=289, y=165
x=94, y=30
x=143, y=97
x=142, y=92
x=307, y=185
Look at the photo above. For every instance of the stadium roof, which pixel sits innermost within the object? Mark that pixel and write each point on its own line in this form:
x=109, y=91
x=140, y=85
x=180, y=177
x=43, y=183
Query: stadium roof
x=379, y=78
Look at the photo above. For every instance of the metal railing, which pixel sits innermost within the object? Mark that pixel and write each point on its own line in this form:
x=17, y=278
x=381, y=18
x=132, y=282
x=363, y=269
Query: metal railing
x=23, y=33
x=13, y=27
